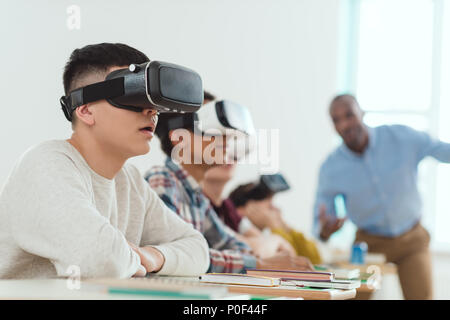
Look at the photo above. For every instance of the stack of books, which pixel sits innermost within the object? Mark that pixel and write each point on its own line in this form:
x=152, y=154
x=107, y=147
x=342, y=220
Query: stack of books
x=275, y=278
x=313, y=279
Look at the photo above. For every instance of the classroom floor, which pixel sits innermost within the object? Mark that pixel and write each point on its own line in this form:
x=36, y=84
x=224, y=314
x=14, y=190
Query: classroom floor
x=441, y=281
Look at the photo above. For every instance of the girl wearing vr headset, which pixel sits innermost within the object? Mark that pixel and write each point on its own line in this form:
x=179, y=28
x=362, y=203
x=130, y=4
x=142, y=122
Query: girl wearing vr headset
x=76, y=202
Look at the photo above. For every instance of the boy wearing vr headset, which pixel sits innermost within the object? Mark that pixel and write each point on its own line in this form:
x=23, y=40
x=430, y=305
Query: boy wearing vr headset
x=178, y=182
x=76, y=203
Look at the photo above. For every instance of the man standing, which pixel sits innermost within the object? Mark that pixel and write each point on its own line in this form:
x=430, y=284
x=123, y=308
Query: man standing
x=376, y=171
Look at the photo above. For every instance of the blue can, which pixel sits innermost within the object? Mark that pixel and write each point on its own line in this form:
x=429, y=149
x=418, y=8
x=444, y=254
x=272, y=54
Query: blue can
x=359, y=251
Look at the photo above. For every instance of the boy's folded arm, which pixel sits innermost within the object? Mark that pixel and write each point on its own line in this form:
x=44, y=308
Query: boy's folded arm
x=58, y=221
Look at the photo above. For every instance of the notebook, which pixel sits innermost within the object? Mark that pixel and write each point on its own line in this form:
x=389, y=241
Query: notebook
x=162, y=286
x=346, y=273
x=239, y=279
x=335, y=284
x=291, y=274
x=340, y=273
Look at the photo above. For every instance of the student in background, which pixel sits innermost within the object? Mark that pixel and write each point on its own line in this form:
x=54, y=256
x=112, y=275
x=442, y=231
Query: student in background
x=213, y=185
x=376, y=170
x=75, y=205
x=178, y=185
x=262, y=213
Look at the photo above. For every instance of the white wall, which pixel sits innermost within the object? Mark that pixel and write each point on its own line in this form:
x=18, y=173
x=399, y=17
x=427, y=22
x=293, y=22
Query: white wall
x=277, y=57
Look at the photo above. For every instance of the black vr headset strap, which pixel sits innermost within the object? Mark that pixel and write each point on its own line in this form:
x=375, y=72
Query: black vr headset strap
x=97, y=91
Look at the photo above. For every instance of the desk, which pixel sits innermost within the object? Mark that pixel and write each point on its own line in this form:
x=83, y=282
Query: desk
x=99, y=289
x=282, y=291
x=52, y=289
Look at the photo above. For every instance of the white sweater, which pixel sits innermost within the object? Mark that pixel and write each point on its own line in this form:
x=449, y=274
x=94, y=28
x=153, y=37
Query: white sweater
x=56, y=212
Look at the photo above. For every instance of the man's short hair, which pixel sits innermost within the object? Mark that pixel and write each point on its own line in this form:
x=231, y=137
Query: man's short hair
x=162, y=130
x=97, y=59
x=343, y=96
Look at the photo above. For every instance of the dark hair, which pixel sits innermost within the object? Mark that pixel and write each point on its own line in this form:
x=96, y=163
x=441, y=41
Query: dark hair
x=162, y=130
x=208, y=96
x=343, y=96
x=240, y=195
x=98, y=58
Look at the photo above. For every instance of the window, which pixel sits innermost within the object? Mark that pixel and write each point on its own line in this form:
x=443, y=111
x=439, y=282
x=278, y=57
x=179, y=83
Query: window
x=396, y=60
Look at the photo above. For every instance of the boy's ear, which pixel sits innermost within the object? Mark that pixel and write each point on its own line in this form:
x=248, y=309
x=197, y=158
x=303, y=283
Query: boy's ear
x=84, y=114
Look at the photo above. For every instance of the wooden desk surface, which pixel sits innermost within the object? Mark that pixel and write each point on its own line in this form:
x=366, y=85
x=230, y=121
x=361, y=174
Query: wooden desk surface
x=282, y=291
x=57, y=289
x=385, y=268
x=53, y=289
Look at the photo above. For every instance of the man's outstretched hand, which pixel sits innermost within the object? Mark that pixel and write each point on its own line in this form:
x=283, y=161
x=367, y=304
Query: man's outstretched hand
x=329, y=224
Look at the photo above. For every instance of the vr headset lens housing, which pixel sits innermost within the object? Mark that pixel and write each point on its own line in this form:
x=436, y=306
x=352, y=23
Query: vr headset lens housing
x=222, y=119
x=268, y=186
x=158, y=85
x=232, y=115
x=274, y=183
x=231, y=120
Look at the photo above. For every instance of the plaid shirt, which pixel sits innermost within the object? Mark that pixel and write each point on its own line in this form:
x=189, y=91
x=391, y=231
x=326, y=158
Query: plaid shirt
x=182, y=194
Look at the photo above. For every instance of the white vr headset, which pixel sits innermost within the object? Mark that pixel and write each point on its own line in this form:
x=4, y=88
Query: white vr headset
x=224, y=117
x=220, y=118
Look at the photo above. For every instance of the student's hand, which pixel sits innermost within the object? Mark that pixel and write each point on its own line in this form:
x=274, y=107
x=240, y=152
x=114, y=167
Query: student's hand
x=151, y=258
x=141, y=272
x=262, y=215
x=284, y=246
x=329, y=224
x=268, y=246
x=285, y=261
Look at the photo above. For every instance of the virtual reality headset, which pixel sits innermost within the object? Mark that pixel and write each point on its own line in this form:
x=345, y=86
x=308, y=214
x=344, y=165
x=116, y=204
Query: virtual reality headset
x=220, y=118
x=162, y=86
x=268, y=186
x=216, y=118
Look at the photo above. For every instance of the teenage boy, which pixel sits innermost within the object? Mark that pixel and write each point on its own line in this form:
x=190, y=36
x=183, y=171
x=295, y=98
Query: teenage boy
x=76, y=203
x=178, y=185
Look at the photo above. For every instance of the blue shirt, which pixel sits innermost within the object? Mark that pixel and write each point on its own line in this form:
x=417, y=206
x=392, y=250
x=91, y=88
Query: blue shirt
x=380, y=185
